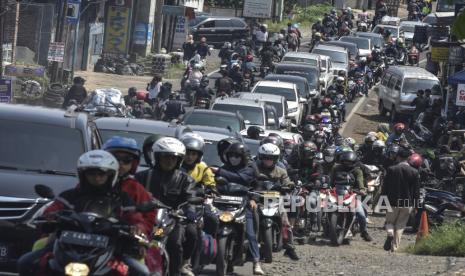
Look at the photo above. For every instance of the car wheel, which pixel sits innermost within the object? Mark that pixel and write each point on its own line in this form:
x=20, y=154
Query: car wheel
x=382, y=110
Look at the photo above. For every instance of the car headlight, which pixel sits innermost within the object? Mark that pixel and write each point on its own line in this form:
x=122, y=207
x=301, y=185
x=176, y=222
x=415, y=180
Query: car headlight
x=292, y=110
x=226, y=217
x=77, y=269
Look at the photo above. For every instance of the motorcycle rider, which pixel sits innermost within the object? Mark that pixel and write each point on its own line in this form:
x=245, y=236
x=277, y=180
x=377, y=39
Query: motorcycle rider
x=317, y=27
x=203, y=49
x=261, y=36
x=131, y=98
x=401, y=49
x=382, y=132
x=98, y=176
x=364, y=69
x=329, y=158
x=77, y=92
x=224, y=84
x=267, y=164
x=204, y=91
x=173, y=108
x=377, y=156
x=308, y=132
x=173, y=187
x=236, y=75
x=365, y=151
x=391, y=50
x=238, y=169
x=348, y=167
x=397, y=135
x=420, y=103
x=266, y=54
x=225, y=52
x=339, y=85
x=277, y=141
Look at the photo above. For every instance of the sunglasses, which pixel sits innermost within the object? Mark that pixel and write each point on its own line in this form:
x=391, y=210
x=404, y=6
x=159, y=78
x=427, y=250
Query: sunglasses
x=125, y=160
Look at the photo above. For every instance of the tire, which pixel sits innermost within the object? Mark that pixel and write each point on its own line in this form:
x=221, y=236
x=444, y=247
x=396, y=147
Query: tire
x=268, y=245
x=382, y=110
x=221, y=254
x=337, y=223
x=278, y=240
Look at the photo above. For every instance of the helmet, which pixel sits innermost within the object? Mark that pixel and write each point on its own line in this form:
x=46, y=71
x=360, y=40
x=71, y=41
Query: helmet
x=227, y=45
x=254, y=132
x=268, y=151
x=280, y=36
x=363, y=60
x=223, y=145
x=340, y=79
x=392, y=151
x=326, y=121
x=379, y=144
x=317, y=34
x=313, y=119
x=329, y=154
x=349, y=9
x=78, y=79
x=197, y=66
x=400, y=41
x=348, y=159
x=370, y=139
x=320, y=137
x=274, y=139
x=101, y=160
x=308, y=150
x=168, y=146
x=308, y=131
x=350, y=142
x=236, y=149
x=399, y=128
x=118, y=143
x=326, y=101
x=415, y=160
x=193, y=142
x=147, y=148
x=383, y=127
x=141, y=95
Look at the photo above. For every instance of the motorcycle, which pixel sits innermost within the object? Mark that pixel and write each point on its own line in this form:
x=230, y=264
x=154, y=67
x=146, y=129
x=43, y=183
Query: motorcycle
x=202, y=103
x=360, y=86
x=390, y=61
x=247, y=82
x=373, y=180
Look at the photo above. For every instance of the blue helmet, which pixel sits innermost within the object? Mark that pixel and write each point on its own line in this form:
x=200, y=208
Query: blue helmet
x=118, y=143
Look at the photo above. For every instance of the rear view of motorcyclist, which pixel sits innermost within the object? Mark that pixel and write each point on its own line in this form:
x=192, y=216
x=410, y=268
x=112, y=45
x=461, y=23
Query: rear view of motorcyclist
x=329, y=158
x=225, y=52
x=173, y=187
x=224, y=84
x=173, y=108
x=398, y=135
x=348, y=167
x=266, y=54
x=77, y=92
x=238, y=169
x=366, y=149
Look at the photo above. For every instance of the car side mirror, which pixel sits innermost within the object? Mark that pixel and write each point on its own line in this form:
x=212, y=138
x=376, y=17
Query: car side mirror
x=44, y=191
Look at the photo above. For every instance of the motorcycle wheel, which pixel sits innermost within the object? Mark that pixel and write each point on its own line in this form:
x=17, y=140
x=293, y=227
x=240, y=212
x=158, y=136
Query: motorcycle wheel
x=221, y=256
x=337, y=227
x=268, y=245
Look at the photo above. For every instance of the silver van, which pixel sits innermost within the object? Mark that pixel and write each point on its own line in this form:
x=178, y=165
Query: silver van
x=399, y=86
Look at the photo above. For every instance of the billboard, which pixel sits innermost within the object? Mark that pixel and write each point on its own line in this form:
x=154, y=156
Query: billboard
x=117, y=25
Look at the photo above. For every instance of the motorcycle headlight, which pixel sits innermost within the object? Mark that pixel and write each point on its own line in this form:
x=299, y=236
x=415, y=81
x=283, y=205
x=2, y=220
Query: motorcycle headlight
x=159, y=232
x=292, y=110
x=226, y=217
x=77, y=269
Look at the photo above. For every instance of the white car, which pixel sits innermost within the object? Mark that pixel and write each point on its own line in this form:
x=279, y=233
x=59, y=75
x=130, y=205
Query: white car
x=287, y=90
x=394, y=30
x=327, y=74
x=312, y=60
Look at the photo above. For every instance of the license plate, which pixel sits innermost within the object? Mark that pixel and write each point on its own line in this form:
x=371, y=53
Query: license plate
x=3, y=252
x=84, y=239
x=271, y=194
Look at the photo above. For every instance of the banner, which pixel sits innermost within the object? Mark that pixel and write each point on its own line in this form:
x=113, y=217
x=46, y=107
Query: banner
x=5, y=91
x=460, y=101
x=257, y=8
x=56, y=51
x=24, y=71
x=117, y=30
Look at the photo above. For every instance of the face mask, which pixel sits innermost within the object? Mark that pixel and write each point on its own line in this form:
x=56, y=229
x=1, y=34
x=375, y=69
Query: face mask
x=329, y=159
x=288, y=151
x=235, y=161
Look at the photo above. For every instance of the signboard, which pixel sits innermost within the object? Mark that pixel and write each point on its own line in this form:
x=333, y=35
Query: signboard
x=72, y=14
x=460, y=101
x=117, y=30
x=180, y=32
x=5, y=91
x=24, y=71
x=439, y=54
x=56, y=51
x=140, y=34
x=173, y=10
x=257, y=8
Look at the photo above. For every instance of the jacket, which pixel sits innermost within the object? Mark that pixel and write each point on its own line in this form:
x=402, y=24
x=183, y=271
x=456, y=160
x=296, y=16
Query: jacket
x=76, y=199
x=244, y=176
x=139, y=195
x=356, y=172
x=277, y=174
x=171, y=188
x=78, y=93
x=401, y=185
x=201, y=173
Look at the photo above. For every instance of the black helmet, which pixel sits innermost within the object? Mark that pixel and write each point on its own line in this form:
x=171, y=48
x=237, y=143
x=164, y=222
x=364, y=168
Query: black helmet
x=329, y=154
x=147, y=148
x=308, y=131
x=348, y=159
x=275, y=140
x=254, y=132
x=223, y=145
x=132, y=91
x=308, y=150
x=78, y=79
x=237, y=150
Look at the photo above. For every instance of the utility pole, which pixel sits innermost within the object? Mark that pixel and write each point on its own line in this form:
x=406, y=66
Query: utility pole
x=2, y=16
x=61, y=21
x=158, y=25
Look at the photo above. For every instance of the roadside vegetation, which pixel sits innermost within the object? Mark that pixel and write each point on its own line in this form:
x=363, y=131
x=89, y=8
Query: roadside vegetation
x=305, y=17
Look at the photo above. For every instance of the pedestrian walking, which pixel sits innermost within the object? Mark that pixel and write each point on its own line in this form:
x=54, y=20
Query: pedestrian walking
x=401, y=187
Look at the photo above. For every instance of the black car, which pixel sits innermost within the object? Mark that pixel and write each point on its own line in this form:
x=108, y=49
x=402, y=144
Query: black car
x=351, y=47
x=38, y=146
x=218, y=30
x=214, y=118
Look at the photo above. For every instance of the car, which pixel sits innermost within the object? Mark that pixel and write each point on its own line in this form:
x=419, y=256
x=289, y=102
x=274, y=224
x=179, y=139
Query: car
x=302, y=57
x=363, y=44
x=327, y=74
x=203, y=117
x=408, y=28
x=254, y=112
x=377, y=40
x=217, y=30
x=339, y=57
x=301, y=82
x=289, y=91
x=394, y=30
x=444, y=6
x=38, y=146
x=354, y=52
x=398, y=88
x=279, y=103
x=445, y=19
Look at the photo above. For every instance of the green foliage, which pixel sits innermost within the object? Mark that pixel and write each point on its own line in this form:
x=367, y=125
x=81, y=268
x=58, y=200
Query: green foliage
x=446, y=240
x=226, y=3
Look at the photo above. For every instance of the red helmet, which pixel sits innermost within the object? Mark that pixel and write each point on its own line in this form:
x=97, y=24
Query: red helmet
x=249, y=58
x=399, y=127
x=326, y=101
x=141, y=95
x=415, y=160
x=313, y=119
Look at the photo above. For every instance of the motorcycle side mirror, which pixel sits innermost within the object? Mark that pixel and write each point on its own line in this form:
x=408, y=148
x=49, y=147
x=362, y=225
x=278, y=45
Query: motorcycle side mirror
x=44, y=191
x=221, y=181
x=196, y=200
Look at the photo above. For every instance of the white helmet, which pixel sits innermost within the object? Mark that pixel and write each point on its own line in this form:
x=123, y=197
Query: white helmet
x=98, y=159
x=339, y=78
x=169, y=145
x=269, y=149
x=197, y=66
x=280, y=36
x=363, y=59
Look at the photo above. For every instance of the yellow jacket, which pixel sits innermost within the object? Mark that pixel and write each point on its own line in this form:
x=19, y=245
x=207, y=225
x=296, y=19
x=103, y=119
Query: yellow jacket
x=382, y=136
x=201, y=173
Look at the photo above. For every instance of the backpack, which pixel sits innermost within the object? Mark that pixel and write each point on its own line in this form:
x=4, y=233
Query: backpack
x=344, y=178
x=208, y=249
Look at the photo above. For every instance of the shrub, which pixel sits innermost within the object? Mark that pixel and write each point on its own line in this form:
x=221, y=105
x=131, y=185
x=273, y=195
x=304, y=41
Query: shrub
x=446, y=240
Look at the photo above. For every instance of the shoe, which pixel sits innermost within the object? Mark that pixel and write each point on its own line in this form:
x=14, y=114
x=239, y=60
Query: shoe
x=257, y=269
x=186, y=268
x=290, y=252
x=388, y=243
x=366, y=236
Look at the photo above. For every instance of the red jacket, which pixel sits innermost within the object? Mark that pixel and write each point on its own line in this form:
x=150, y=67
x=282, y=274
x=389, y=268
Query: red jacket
x=139, y=195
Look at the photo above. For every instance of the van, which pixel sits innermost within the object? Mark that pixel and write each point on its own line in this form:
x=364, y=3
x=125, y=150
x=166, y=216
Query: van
x=399, y=86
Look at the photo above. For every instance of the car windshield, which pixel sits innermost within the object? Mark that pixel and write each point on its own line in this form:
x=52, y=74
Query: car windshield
x=411, y=86
x=289, y=94
x=32, y=146
x=138, y=136
x=448, y=5
x=254, y=115
x=210, y=154
x=361, y=43
x=221, y=121
x=408, y=28
x=310, y=61
x=310, y=75
x=337, y=57
x=376, y=41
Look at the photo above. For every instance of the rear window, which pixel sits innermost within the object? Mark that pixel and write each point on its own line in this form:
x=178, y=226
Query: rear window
x=300, y=84
x=411, y=86
x=337, y=57
x=408, y=28
x=32, y=146
x=237, y=23
x=219, y=121
x=361, y=43
x=289, y=94
x=311, y=62
x=309, y=75
x=254, y=115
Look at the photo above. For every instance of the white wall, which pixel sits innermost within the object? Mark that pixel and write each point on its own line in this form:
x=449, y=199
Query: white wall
x=196, y=4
